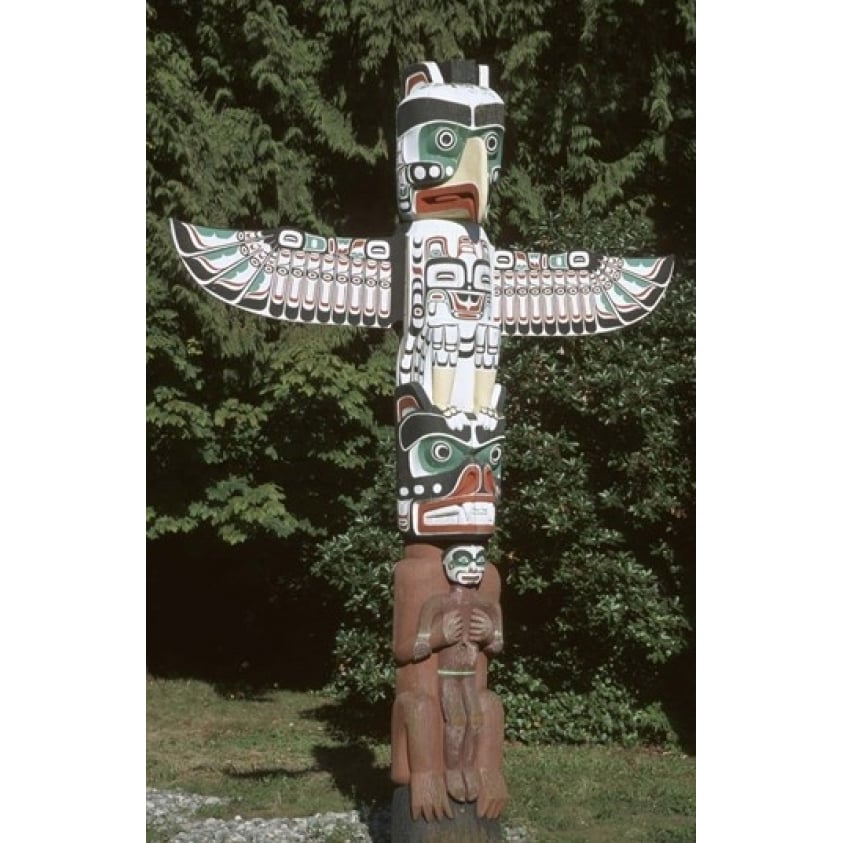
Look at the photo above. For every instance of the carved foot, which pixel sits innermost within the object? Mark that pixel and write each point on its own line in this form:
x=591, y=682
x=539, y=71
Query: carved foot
x=428, y=797
x=493, y=794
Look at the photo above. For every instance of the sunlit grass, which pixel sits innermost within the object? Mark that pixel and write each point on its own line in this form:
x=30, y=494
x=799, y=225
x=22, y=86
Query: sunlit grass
x=283, y=753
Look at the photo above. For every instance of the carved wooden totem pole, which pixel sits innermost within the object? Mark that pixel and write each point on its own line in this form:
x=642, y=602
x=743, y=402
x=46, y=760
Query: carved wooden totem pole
x=453, y=295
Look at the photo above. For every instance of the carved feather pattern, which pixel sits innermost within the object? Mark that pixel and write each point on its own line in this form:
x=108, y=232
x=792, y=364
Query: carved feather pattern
x=291, y=275
x=576, y=293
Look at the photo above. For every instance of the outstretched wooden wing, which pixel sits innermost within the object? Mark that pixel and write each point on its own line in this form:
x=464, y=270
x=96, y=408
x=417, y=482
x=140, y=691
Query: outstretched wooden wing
x=287, y=274
x=575, y=293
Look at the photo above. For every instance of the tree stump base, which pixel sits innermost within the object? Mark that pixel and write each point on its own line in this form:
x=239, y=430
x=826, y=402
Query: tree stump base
x=465, y=827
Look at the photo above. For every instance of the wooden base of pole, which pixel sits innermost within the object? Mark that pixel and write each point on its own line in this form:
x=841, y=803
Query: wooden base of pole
x=465, y=827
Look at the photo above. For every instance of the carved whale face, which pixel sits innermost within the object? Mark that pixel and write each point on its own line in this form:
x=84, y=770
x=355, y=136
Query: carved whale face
x=449, y=480
x=449, y=127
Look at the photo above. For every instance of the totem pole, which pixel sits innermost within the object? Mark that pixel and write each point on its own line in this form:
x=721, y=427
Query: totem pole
x=452, y=295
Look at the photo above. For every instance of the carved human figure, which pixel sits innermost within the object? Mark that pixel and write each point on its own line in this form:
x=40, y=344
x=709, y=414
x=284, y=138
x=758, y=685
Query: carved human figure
x=443, y=728
x=469, y=624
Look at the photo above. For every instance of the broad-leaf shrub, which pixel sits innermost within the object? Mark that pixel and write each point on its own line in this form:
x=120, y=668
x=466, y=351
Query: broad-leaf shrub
x=594, y=531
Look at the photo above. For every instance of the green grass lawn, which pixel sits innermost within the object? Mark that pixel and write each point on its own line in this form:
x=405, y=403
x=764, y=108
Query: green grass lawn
x=283, y=753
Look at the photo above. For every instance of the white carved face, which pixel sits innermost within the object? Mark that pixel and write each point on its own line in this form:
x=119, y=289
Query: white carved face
x=465, y=563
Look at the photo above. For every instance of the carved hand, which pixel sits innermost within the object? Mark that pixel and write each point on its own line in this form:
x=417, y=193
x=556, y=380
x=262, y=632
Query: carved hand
x=481, y=628
x=422, y=648
x=452, y=627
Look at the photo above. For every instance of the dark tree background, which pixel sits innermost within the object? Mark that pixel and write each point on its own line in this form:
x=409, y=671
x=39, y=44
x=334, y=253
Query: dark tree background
x=270, y=520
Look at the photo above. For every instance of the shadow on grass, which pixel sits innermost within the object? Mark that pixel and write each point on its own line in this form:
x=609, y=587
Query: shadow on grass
x=356, y=773
x=260, y=773
x=353, y=766
x=354, y=721
x=357, y=776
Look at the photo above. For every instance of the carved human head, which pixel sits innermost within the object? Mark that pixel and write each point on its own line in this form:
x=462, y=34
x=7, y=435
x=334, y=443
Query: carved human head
x=464, y=564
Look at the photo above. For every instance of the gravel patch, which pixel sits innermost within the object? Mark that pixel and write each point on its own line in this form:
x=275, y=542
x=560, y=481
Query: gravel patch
x=166, y=808
x=173, y=812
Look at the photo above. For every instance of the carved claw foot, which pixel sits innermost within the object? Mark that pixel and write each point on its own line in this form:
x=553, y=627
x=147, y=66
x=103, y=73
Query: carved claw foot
x=488, y=418
x=455, y=418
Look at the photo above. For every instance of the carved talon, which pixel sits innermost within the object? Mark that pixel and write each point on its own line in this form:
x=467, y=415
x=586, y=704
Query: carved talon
x=488, y=418
x=455, y=418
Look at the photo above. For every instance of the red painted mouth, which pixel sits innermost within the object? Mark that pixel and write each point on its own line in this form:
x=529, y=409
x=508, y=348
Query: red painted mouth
x=438, y=200
x=468, y=510
x=467, y=305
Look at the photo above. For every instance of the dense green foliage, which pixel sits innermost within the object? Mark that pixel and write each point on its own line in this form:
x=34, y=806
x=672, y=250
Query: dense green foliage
x=278, y=439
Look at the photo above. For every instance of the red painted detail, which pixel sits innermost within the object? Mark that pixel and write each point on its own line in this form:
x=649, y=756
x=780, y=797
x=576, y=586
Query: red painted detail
x=461, y=197
x=412, y=81
x=467, y=305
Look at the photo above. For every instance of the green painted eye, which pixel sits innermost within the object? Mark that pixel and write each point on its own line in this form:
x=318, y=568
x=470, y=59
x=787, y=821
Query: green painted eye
x=442, y=143
x=437, y=454
x=441, y=452
x=491, y=455
x=445, y=139
x=493, y=143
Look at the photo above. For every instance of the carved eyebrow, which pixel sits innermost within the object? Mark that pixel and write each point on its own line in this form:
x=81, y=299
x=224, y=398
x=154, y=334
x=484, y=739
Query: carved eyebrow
x=418, y=426
x=488, y=115
x=425, y=109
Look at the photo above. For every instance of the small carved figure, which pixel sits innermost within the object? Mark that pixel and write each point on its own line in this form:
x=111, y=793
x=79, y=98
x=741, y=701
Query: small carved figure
x=469, y=624
x=444, y=723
